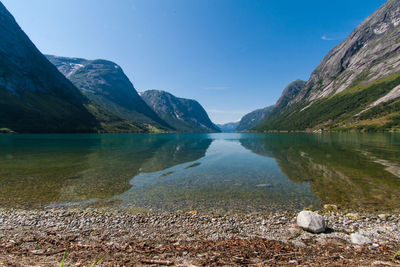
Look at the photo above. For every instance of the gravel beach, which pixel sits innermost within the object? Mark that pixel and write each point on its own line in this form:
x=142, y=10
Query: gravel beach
x=127, y=238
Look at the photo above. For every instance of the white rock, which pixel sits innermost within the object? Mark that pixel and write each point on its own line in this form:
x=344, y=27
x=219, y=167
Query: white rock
x=383, y=216
x=311, y=221
x=359, y=239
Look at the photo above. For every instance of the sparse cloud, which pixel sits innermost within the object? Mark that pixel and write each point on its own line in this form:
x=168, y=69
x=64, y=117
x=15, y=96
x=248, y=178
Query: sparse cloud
x=216, y=88
x=326, y=38
x=133, y=5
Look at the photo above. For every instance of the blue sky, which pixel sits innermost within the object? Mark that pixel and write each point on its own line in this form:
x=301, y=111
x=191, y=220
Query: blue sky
x=233, y=56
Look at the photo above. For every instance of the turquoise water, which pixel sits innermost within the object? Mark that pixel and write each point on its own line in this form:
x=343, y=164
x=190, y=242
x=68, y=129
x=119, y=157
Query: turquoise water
x=219, y=172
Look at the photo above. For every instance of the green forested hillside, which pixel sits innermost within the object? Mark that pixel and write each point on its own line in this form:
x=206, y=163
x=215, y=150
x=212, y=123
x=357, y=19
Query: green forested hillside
x=344, y=111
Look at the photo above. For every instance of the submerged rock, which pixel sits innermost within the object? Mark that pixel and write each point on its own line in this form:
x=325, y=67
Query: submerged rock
x=359, y=239
x=311, y=221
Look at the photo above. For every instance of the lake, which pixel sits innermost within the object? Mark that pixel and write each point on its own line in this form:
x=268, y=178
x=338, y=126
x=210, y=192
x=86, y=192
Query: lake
x=211, y=172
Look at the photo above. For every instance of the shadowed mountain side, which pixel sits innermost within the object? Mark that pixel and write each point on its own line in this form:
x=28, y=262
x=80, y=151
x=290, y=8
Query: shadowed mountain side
x=344, y=173
x=253, y=118
x=35, y=97
x=185, y=115
x=105, y=83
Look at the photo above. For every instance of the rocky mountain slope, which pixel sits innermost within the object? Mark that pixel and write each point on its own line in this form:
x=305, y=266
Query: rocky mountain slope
x=289, y=93
x=229, y=127
x=35, y=97
x=253, y=118
x=355, y=85
x=105, y=83
x=185, y=115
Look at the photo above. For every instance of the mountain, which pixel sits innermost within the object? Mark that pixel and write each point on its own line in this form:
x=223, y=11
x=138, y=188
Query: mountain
x=105, y=83
x=229, y=127
x=355, y=87
x=289, y=93
x=36, y=98
x=253, y=118
x=185, y=115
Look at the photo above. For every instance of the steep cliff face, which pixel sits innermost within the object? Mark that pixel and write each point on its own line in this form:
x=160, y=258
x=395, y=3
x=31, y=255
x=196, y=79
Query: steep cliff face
x=355, y=85
x=105, y=83
x=372, y=51
x=35, y=97
x=185, y=115
x=253, y=118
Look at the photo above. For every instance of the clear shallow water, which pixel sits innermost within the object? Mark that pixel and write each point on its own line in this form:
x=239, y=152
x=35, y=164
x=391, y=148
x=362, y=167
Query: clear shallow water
x=223, y=172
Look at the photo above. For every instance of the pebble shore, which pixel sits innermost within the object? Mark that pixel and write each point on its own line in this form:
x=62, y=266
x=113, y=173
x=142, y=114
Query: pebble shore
x=43, y=232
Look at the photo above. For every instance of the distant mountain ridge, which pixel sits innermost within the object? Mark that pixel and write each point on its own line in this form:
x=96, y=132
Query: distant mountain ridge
x=36, y=98
x=229, y=127
x=185, y=115
x=355, y=87
x=105, y=83
x=253, y=118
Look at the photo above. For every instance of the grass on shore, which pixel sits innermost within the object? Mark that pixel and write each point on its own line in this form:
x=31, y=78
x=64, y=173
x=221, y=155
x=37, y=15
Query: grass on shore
x=93, y=264
x=395, y=255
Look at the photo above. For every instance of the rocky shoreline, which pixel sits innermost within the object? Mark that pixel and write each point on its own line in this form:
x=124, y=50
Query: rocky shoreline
x=39, y=238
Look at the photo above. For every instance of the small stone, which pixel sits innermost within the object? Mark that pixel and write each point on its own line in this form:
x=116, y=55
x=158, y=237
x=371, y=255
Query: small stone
x=383, y=216
x=353, y=215
x=311, y=221
x=330, y=207
x=293, y=230
x=359, y=239
x=298, y=243
x=382, y=263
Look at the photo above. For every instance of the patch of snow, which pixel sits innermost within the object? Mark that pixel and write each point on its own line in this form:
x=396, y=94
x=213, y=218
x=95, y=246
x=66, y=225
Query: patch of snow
x=177, y=116
x=73, y=68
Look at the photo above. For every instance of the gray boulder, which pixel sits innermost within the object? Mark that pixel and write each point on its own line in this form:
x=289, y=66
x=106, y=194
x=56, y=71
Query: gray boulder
x=311, y=221
x=359, y=239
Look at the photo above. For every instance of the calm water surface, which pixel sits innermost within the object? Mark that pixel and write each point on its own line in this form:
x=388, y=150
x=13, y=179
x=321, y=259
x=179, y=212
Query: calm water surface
x=220, y=172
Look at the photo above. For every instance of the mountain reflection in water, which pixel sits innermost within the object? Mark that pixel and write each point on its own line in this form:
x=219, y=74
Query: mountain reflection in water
x=224, y=172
